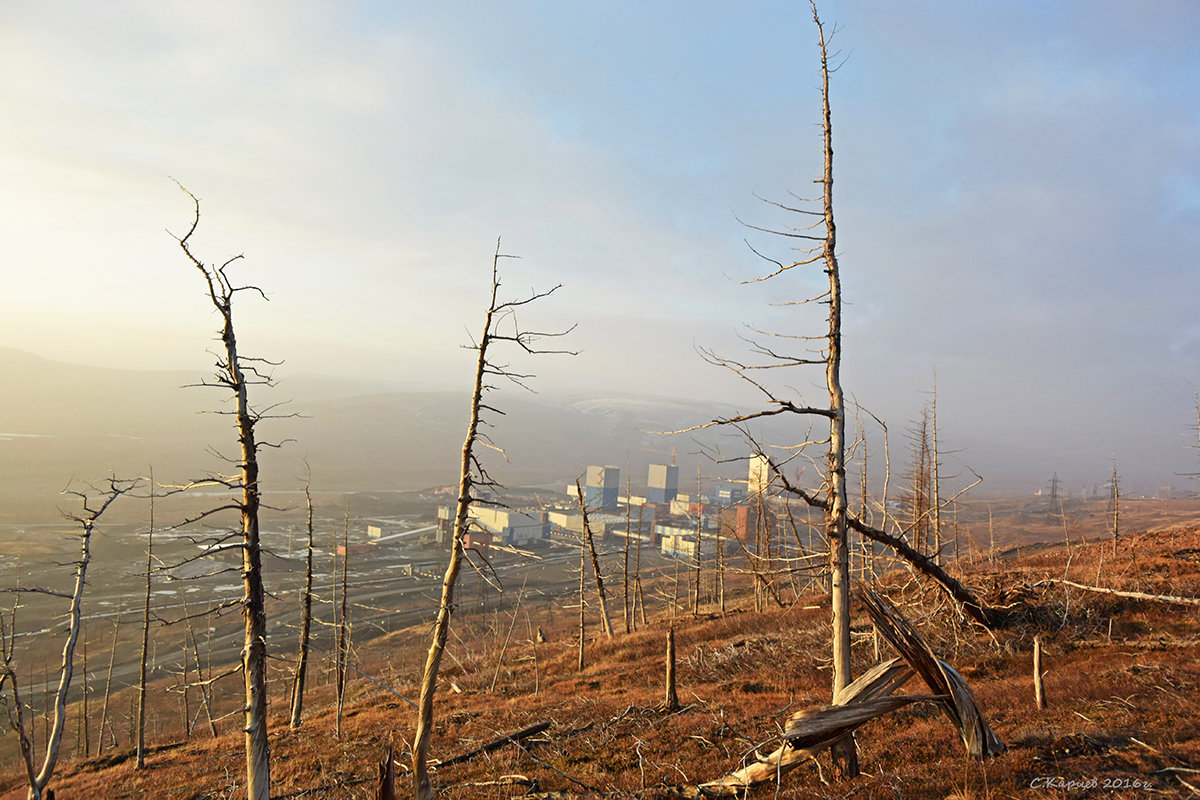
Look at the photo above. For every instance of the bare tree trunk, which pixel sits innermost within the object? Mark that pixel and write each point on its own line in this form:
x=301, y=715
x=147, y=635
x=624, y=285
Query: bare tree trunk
x=591, y=546
x=699, y=533
x=39, y=778
x=675, y=589
x=112, y=657
x=671, y=701
x=471, y=474
x=625, y=615
x=582, y=604
x=1115, y=499
x=507, y=638
x=845, y=756
x=1039, y=689
x=759, y=580
x=297, y=704
x=954, y=517
x=864, y=511
x=185, y=710
x=935, y=485
x=920, y=505
x=54, y=737
x=991, y=539
x=254, y=654
x=16, y=712
x=343, y=626
x=638, y=600
x=720, y=566
x=140, y=761
x=232, y=375
x=84, y=716
x=201, y=681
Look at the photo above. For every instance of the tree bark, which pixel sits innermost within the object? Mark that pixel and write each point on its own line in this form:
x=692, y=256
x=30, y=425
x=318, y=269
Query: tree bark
x=39, y=777
x=112, y=658
x=625, y=614
x=1039, y=689
x=343, y=625
x=591, y=547
x=297, y=704
x=845, y=756
x=582, y=661
x=471, y=473
x=671, y=701
x=232, y=375
x=140, y=761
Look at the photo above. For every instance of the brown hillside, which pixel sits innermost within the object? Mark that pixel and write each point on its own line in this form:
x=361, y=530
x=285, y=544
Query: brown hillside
x=1122, y=680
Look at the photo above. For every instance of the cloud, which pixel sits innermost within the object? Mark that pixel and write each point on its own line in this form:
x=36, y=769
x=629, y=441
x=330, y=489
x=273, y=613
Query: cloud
x=1016, y=188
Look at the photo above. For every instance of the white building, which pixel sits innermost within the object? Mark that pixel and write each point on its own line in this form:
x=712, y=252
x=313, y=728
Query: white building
x=515, y=527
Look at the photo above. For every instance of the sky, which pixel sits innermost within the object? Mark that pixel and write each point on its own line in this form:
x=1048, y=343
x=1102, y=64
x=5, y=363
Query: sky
x=1017, y=190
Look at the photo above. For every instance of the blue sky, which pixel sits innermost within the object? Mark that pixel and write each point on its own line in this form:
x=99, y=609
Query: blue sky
x=1017, y=190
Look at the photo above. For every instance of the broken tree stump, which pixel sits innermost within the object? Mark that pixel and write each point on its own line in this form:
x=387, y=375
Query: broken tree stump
x=1039, y=689
x=671, y=701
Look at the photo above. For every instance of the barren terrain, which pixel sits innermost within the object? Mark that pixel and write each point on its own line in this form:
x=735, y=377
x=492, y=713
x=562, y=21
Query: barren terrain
x=1122, y=679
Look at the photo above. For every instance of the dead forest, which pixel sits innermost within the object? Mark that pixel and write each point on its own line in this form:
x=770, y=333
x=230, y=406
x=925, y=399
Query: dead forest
x=872, y=625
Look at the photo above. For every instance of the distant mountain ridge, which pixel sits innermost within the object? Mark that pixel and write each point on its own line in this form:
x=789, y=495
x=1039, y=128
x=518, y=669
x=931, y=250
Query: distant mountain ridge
x=59, y=420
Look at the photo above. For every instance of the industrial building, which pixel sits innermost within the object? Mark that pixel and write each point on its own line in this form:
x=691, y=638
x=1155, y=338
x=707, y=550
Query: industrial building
x=681, y=543
x=518, y=528
x=662, y=484
x=760, y=475
x=602, y=488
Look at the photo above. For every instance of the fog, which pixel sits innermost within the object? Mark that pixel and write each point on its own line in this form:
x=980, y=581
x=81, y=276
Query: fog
x=1017, y=190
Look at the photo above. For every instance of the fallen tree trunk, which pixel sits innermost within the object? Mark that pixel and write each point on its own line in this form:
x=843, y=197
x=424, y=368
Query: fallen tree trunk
x=1160, y=598
x=957, y=701
x=810, y=731
x=496, y=744
x=970, y=604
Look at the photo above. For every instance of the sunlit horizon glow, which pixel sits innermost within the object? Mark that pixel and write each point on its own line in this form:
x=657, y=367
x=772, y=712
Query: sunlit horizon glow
x=1017, y=190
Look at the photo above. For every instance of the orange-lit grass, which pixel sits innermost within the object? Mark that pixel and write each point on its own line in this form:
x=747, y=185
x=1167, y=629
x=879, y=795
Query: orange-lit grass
x=1121, y=705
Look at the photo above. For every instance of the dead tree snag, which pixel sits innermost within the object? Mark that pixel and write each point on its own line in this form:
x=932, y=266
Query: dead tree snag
x=235, y=373
x=500, y=326
x=39, y=776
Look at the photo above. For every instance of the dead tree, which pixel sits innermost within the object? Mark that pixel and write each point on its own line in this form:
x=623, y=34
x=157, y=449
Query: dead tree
x=817, y=245
x=297, y=704
x=920, y=497
x=639, y=601
x=1114, y=499
x=591, y=548
x=625, y=614
x=831, y=498
x=93, y=508
x=582, y=659
x=699, y=537
x=201, y=681
x=935, y=494
x=671, y=697
x=112, y=658
x=1196, y=403
x=236, y=373
x=343, y=624
x=500, y=327
x=140, y=760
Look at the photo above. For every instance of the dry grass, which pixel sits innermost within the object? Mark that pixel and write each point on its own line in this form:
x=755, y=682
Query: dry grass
x=1123, y=683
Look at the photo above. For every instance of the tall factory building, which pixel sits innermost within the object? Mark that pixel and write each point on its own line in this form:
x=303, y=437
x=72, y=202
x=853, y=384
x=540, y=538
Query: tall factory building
x=663, y=483
x=600, y=491
x=760, y=475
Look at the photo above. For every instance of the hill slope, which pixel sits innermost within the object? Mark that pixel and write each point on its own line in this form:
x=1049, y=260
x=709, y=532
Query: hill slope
x=1122, y=678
